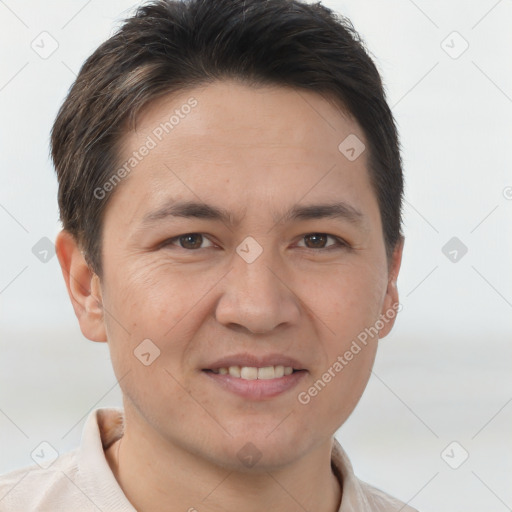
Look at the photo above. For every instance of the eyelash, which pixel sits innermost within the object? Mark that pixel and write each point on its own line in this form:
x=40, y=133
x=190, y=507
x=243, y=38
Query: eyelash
x=340, y=243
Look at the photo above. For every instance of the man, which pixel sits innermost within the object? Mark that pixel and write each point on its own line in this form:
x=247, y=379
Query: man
x=230, y=189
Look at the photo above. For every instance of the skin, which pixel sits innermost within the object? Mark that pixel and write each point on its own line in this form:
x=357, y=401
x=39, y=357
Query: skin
x=255, y=152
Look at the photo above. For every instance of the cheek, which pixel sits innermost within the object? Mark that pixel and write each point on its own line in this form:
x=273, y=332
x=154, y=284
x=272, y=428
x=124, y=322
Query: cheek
x=153, y=296
x=334, y=390
x=350, y=305
x=352, y=382
x=332, y=394
x=157, y=302
x=151, y=304
x=351, y=300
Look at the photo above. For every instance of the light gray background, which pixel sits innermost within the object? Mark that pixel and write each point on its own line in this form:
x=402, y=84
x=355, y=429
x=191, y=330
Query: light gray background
x=442, y=375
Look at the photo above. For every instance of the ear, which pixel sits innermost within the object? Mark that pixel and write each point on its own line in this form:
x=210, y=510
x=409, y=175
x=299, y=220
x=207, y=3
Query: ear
x=391, y=300
x=83, y=287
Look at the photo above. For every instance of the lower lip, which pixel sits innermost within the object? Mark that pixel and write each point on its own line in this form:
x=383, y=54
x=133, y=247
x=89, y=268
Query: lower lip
x=257, y=389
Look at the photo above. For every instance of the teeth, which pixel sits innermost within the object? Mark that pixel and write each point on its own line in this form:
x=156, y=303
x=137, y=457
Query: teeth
x=234, y=371
x=279, y=371
x=249, y=373
x=253, y=373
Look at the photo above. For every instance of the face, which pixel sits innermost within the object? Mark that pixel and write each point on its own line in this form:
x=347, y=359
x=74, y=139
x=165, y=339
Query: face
x=244, y=238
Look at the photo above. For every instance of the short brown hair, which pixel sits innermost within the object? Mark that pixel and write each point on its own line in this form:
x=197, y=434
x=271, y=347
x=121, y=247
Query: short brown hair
x=170, y=46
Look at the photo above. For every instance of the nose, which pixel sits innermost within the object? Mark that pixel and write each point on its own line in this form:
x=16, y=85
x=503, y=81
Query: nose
x=258, y=296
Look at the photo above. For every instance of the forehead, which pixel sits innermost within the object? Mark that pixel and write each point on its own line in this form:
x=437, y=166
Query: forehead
x=243, y=144
x=230, y=113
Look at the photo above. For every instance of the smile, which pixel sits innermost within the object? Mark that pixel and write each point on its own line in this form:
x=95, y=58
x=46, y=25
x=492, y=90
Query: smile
x=247, y=383
x=253, y=373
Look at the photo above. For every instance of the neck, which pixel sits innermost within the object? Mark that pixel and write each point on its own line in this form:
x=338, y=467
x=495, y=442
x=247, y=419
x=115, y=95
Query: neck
x=158, y=476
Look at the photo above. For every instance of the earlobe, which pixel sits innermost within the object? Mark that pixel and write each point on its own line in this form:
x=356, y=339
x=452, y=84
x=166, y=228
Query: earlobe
x=83, y=287
x=391, y=301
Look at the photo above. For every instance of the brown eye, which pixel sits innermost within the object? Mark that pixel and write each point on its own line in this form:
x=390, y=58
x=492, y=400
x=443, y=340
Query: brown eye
x=191, y=240
x=319, y=241
x=316, y=240
x=188, y=241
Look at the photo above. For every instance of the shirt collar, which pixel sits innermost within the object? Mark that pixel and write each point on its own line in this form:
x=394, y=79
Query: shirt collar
x=105, y=426
x=95, y=478
x=353, y=496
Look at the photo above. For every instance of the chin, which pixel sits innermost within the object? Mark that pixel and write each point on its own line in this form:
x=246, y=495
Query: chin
x=264, y=447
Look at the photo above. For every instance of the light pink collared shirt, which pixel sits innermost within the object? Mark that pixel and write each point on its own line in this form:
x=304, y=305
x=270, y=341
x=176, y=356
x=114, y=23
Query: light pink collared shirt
x=82, y=480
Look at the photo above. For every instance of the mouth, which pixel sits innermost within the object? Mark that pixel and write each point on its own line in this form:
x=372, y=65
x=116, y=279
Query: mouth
x=254, y=373
x=255, y=383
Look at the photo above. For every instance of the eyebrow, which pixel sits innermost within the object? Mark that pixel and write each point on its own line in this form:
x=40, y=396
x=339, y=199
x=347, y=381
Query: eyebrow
x=339, y=210
x=198, y=210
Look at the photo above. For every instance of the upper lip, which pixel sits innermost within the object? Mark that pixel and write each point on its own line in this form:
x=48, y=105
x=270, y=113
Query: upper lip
x=252, y=360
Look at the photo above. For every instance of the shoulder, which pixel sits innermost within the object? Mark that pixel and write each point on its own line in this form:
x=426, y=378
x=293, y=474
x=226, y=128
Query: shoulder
x=380, y=501
x=37, y=488
x=77, y=480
